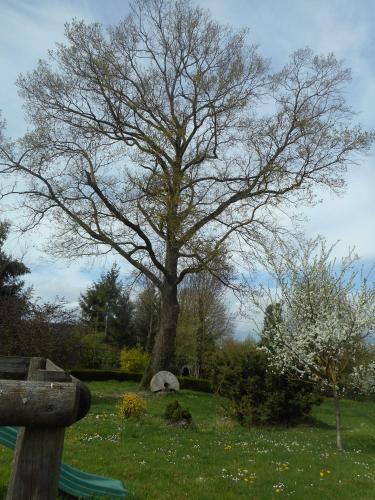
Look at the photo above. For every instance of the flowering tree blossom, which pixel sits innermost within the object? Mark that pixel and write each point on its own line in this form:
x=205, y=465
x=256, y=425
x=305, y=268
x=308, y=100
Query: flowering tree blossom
x=327, y=320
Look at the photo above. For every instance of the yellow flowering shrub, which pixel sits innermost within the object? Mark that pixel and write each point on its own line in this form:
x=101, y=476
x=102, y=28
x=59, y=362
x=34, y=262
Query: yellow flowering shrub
x=134, y=359
x=131, y=405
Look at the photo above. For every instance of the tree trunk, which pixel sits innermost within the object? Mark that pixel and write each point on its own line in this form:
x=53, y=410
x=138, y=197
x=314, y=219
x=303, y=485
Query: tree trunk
x=163, y=351
x=336, y=402
x=150, y=335
x=200, y=336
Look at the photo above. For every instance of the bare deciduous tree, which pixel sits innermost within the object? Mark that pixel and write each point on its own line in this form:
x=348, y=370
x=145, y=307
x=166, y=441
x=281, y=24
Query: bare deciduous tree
x=155, y=139
x=204, y=321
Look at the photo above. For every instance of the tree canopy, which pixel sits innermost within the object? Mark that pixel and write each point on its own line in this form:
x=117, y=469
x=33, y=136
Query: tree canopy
x=169, y=140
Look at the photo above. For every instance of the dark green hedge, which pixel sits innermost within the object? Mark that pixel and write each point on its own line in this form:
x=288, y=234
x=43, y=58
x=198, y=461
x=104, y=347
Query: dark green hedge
x=195, y=384
x=90, y=375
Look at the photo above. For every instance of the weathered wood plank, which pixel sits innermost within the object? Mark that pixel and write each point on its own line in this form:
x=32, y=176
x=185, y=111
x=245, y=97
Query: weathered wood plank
x=37, y=458
x=51, y=376
x=36, y=466
x=84, y=392
x=35, y=364
x=50, y=365
x=35, y=403
x=14, y=366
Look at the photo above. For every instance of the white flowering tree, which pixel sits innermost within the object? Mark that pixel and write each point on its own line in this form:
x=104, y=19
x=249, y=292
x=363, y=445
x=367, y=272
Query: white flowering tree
x=327, y=320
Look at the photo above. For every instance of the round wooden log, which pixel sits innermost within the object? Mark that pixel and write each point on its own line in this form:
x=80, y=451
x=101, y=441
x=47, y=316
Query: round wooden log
x=84, y=399
x=35, y=403
x=84, y=391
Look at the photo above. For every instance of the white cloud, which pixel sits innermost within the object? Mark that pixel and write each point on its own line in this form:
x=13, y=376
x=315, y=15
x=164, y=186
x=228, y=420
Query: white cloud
x=57, y=280
x=350, y=217
x=28, y=29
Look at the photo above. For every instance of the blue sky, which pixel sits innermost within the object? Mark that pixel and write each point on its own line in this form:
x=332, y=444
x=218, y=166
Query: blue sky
x=28, y=28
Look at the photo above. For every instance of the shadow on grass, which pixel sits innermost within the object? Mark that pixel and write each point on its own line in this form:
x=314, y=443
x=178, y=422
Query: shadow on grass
x=3, y=491
x=319, y=424
x=359, y=442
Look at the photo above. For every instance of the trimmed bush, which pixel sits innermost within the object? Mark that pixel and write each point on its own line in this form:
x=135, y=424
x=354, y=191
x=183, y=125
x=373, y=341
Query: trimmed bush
x=91, y=375
x=131, y=405
x=87, y=375
x=258, y=396
x=195, y=384
x=134, y=359
x=175, y=414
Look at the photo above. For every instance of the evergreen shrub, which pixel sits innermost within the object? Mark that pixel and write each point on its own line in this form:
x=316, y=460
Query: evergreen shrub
x=177, y=415
x=257, y=396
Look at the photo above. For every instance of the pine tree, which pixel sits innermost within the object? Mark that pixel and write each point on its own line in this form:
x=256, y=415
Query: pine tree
x=106, y=308
x=14, y=298
x=272, y=318
x=10, y=269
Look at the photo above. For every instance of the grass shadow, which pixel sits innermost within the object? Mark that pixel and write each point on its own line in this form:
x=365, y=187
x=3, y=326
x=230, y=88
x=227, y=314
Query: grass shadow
x=319, y=424
x=359, y=442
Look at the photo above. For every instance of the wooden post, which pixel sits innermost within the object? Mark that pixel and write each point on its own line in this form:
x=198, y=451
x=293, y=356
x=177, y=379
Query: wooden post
x=37, y=458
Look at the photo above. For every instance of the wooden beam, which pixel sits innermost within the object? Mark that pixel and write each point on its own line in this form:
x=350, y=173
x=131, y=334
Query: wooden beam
x=36, y=464
x=35, y=403
x=37, y=457
x=50, y=365
x=51, y=376
x=84, y=391
x=15, y=367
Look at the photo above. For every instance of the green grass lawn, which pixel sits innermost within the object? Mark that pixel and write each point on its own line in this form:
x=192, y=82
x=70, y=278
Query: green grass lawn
x=218, y=459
